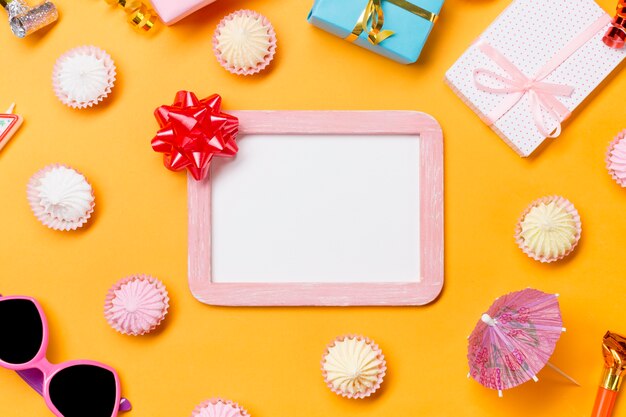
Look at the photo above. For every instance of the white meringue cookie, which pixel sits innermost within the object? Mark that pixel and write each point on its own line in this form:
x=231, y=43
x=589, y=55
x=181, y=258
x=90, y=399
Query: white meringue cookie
x=60, y=197
x=83, y=76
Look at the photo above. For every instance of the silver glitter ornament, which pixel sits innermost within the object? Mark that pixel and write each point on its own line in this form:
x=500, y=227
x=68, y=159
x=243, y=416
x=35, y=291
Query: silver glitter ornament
x=25, y=20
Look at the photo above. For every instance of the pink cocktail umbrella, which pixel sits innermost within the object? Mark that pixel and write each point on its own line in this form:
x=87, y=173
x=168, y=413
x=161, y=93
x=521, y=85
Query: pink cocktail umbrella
x=514, y=339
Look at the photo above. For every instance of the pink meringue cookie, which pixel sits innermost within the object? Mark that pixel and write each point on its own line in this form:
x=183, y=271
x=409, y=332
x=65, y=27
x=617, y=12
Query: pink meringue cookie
x=616, y=158
x=136, y=305
x=217, y=407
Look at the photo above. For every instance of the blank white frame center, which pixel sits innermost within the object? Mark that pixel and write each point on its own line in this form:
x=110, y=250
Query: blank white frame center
x=317, y=208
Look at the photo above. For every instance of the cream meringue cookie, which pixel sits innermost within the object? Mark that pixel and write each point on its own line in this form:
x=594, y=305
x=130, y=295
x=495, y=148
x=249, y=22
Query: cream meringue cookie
x=353, y=367
x=60, y=197
x=244, y=42
x=550, y=229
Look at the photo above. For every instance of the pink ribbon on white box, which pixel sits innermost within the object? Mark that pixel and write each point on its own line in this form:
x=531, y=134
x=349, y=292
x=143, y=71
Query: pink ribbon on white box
x=543, y=96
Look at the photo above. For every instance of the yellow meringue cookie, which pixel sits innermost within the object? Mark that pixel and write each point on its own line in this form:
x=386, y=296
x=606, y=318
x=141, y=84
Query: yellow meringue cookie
x=549, y=230
x=353, y=367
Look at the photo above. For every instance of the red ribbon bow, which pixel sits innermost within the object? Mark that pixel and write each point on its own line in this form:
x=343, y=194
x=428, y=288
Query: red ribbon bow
x=193, y=132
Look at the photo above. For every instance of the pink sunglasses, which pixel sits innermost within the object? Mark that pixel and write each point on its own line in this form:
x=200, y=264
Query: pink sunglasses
x=70, y=389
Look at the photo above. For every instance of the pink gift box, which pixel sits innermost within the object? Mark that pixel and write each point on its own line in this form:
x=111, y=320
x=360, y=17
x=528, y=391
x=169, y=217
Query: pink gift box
x=171, y=11
x=533, y=67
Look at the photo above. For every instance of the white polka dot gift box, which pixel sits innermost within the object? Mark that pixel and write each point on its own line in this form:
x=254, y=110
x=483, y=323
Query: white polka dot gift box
x=533, y=66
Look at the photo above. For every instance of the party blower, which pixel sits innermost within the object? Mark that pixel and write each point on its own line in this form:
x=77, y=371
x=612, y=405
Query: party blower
x=25, y=19
x=616, y=36
x=614, y=349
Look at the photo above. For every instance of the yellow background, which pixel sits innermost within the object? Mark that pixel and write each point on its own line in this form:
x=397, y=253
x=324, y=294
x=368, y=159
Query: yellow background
x=268, y=359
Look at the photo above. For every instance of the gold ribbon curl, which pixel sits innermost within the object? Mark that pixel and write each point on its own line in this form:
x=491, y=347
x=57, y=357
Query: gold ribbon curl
x=372, y=20
x=140, y=15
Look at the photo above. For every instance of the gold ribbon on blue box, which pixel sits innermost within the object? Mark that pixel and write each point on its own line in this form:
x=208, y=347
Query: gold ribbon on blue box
x=397, y=29
x=372, y=20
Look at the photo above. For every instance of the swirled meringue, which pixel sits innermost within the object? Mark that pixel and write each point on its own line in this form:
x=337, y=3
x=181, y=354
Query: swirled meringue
x=60, y=197
x=353, y=366
x=136, y=305
x=244, y=42
x=219, y=408
x=83, y=76
x=616, y=159
x=549, y=229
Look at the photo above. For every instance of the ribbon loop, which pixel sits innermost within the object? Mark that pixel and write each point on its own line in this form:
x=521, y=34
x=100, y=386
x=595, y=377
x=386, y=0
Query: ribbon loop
x=193, y=132
x=372, y=20
x=512, y=85
x=542, y=96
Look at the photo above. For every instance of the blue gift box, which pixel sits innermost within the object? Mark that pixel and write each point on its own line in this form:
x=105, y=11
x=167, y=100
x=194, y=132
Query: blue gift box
x=342, y=17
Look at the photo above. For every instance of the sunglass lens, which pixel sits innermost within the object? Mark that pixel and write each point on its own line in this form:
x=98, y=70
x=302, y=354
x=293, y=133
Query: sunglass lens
x=21, y=329
x=84, y=390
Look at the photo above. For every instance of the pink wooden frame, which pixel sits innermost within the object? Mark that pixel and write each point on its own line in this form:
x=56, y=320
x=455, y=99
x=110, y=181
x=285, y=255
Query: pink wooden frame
x=422, y=292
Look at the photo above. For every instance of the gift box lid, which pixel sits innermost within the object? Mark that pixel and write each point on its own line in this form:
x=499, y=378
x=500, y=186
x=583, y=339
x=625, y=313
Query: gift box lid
x=171, y=11
x=530, y=33
x=411, y=31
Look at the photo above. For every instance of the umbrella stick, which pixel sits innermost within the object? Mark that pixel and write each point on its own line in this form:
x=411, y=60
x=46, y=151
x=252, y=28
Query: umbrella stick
x=563, y=374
